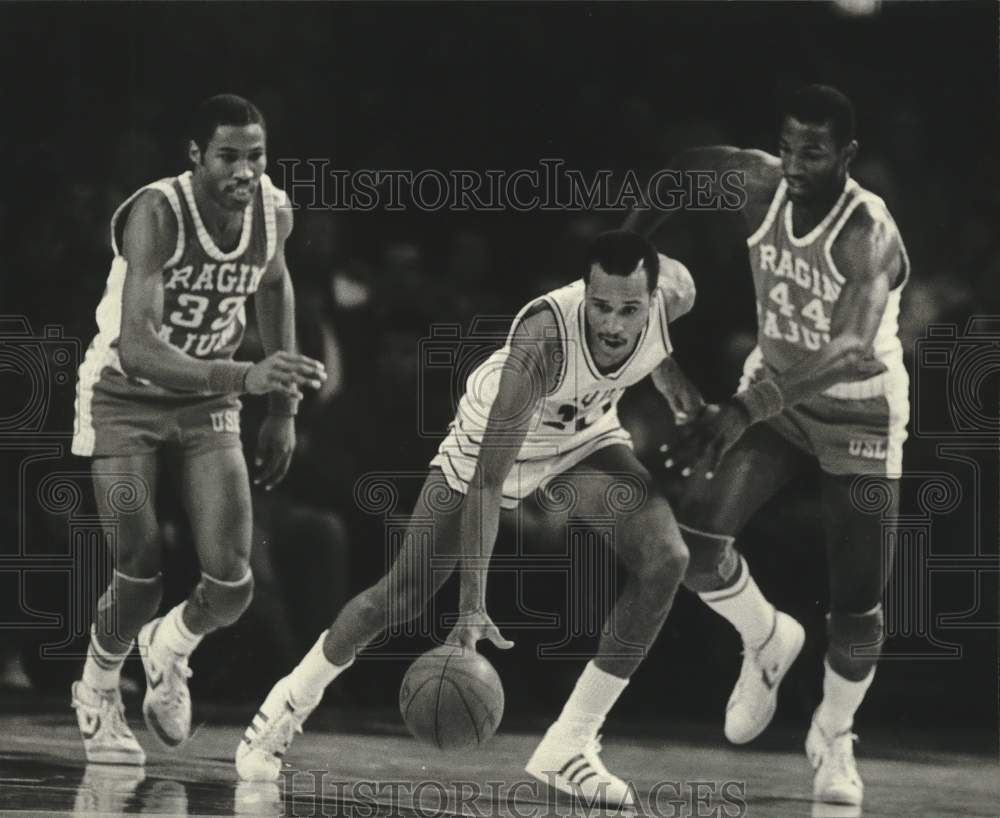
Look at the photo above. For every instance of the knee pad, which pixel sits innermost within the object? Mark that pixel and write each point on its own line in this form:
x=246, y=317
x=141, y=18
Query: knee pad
x=126, y=605
x=855, y=641
x=713, y=562
x=216, y=603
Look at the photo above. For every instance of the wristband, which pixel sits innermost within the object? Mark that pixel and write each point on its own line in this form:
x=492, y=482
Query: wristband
x=762, y=400
x=227, y=377
x=281, y=405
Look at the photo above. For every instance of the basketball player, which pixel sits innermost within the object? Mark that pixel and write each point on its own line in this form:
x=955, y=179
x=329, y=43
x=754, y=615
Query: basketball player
x=542, y=407
x=826, y=384
x=159, y=380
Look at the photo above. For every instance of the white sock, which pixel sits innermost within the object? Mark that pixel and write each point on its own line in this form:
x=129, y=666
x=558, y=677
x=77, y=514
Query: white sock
x=174, y=636
x=841, y=700
x=744, y=607
x=313, y=674
x=102, y=670
x=588, y=705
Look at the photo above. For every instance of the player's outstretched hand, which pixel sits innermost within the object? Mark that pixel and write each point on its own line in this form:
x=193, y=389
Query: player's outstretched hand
x=275, y=445
x=705, y=440
x=473, y=626
x=285, y=372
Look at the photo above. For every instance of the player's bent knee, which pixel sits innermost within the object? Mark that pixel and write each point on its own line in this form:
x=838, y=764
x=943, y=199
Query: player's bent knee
x=702, y=510
x=855, y=642
x=714, y=560
x=664, y=561
x=220, y=602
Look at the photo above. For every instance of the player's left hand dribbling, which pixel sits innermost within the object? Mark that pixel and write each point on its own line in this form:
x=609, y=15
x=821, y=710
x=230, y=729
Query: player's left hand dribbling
x=275, y=445
x=704, y=441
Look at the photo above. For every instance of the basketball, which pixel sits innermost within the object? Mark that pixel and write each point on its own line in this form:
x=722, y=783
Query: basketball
x=451, y=700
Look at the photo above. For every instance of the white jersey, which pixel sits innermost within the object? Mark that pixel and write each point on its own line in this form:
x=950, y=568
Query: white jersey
x=579, y=415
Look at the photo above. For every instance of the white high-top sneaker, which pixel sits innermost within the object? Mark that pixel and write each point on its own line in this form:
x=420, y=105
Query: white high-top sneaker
x=573, y=766
x=837, y=780
x=258, y=758
x=166, y=706
x=107, y=738
x=755, y=697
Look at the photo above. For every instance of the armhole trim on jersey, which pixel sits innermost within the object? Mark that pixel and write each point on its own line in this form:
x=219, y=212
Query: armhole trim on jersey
x=165, y=187
x=532, y=309
x=859, y=199
x=664, y=320
x=772, y=213
x=564, y=352
x=906, y=265
x=269, y=198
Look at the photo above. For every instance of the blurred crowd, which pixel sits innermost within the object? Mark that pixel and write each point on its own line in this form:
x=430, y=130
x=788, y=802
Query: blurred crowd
x=370, y=287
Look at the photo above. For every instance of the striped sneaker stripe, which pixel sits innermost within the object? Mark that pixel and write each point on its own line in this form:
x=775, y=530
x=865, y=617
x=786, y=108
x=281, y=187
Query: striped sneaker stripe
x=581, y=768
x=570, y=763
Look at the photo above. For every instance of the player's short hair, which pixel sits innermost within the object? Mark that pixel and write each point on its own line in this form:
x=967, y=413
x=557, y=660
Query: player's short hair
x=619, y=253
x=822, y=105
x=223, y=109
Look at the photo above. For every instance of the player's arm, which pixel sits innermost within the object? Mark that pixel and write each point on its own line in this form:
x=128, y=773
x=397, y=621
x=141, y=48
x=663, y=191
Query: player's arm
x=731, y=176
x=274, y=302
x=685, y=399
x=149, y=240
x=526, y=375
x=677, y=291
x=275, y=306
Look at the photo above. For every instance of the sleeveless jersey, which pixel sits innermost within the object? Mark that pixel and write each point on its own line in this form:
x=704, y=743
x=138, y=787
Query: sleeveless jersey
x=797, y=285
x=204, y=288
x=571, y=413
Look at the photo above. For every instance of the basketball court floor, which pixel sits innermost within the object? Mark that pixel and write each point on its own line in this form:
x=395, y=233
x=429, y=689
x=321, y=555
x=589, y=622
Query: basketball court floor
x=349, y=765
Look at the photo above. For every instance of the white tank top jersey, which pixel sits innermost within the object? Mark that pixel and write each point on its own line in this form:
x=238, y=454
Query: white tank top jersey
x=583, y=402
x=798, y=284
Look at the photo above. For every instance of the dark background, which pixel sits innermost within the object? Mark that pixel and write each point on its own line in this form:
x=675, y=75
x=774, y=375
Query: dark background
x=95, y=100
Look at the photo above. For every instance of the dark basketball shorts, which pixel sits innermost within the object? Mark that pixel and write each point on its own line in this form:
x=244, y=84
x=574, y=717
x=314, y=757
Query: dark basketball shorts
x=117, y=417
x=861, y=430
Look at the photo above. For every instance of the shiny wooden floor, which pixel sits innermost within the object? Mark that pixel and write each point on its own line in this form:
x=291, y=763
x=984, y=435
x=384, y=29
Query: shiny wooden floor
x=343, y=767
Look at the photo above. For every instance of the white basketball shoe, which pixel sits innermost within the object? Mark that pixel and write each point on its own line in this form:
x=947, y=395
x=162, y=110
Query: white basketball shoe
x=573, y=766
x=259, y=756
x=107, y=738
x=755, y=697
x=166, y=706
x=837, y=780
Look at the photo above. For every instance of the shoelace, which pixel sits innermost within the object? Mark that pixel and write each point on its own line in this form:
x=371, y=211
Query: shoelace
x=118, y=723
x=842, y=754
x=112, y=710
x=177, y=674
x=592, y=750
